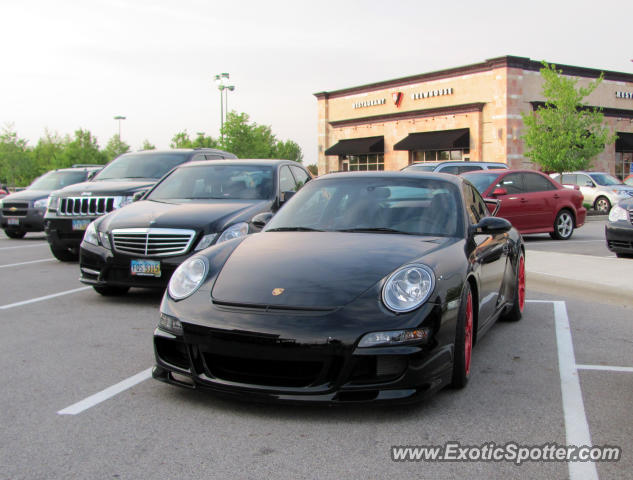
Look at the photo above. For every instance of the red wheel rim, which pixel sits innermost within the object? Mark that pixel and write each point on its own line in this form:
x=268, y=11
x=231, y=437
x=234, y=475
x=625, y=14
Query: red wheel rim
x=468, y=333
x=521, y=283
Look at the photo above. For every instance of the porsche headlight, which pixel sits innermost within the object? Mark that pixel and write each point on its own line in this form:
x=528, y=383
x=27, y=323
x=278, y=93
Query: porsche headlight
x=408, y=287
x=206, y=241
x=617, y=213
x=234, y=231
x=41, y=203
x=90, y=235
x=187, y=278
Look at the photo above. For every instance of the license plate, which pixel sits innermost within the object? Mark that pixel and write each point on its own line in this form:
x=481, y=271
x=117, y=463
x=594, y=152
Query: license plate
x=80, y=225
x=147, y=268
x=13, y=221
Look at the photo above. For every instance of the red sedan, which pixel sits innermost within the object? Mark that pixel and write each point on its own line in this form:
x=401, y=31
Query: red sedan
x=532, y=201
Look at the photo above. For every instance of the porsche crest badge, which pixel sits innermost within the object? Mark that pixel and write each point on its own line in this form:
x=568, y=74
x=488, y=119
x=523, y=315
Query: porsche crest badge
x=278, y=291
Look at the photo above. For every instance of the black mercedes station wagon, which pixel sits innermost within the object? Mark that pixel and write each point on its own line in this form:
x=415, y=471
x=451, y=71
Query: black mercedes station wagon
x=71, y=209
x=23, y=212
x=364, y=287
x=196, y=205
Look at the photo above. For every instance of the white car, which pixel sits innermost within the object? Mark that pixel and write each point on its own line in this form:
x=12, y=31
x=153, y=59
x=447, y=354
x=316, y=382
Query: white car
x=600, y=190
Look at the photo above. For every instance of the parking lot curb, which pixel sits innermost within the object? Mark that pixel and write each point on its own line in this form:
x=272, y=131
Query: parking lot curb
x=556, y=285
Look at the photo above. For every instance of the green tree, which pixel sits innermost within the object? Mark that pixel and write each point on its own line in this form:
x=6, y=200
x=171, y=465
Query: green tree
x=48, y=152
x=181, y=140
x=313, y=168
x=202, y=141
x=250, y=140
x=16, y=161
x=83, y=148
x=115, y=147
x=147, y=145
x=565, y=135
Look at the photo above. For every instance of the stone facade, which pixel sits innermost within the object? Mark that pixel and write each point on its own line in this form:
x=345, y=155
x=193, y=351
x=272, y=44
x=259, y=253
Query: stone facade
x=487, y=98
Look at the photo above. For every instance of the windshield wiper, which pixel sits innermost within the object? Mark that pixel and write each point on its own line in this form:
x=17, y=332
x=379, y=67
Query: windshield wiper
x=295, y=229
x=375, y=230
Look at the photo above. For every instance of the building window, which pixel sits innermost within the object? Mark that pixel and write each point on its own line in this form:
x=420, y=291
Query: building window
x=361, y=163
x=419, y=156
x=623, y=164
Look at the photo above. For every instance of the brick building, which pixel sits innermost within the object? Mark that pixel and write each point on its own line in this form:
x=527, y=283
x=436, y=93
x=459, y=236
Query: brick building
x=466, y=113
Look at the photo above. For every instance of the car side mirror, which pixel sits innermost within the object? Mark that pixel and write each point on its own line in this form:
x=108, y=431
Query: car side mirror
x=492, y=226
x=499, y=191
x=261, y=219
x=589, y=183
x=91, y=175
x=138, y=195
x=285, y=196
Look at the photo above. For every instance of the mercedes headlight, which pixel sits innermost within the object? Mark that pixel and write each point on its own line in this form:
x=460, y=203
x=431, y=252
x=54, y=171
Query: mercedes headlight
x=90, y=235
x=234, y=231
x=617, y=213
x=187, y=278
x=408, y=287
x=205, y=241
x=41, y=203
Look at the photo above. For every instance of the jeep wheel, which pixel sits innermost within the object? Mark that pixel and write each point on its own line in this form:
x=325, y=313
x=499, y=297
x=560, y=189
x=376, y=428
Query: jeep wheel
x=64, y=254
x=14, y=233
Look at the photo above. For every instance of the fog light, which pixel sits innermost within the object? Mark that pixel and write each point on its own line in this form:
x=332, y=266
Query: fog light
x=394, y=337
x=181, y=378
x=170, y=324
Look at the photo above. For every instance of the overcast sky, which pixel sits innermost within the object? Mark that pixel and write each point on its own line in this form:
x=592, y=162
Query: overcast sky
x=76, y=64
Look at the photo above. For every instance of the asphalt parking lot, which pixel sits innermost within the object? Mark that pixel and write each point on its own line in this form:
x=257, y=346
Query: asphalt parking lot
x=564, y=374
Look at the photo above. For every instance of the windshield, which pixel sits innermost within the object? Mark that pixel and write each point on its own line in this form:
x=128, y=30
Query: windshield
x=214, y=181
x=383, y=205
x=605, y=179
x=141, y=166
x=57, y=180
x=481, y=181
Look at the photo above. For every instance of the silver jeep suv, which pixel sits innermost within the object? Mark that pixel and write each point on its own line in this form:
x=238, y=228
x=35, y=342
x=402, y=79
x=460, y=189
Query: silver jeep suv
x=600, y=190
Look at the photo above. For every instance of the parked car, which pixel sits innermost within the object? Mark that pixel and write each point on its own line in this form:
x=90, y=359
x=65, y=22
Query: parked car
x=454, y=167
x=4, y=191
x=23, y=211
x=600, y=190
x=532, y=201
x=196, y=205
x=629, y=180
x=619, y=229
x=364, y=287
x=71, y=209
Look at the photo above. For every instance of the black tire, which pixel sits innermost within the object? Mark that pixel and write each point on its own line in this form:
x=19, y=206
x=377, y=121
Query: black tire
x=602, y=204
x=64, y=254
x=464, y=335
x=14, y=233
x=110, y=291
x=518, y=302
x=563, y=226
x=624, y=255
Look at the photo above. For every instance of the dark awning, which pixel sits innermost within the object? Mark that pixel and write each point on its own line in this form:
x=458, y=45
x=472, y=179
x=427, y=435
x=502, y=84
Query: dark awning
x=441, y=140
x=624, y=143
x=358, y=146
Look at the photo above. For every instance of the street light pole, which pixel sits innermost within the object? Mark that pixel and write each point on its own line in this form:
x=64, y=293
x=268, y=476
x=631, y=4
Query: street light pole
x=119, y=118
x=224, y=89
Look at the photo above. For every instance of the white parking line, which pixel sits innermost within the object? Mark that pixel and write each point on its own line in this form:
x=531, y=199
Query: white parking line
x=27, y=263
x=576, y=425
x=109, y=392
x=41, y=299
x=607, y=368
x=24, y=246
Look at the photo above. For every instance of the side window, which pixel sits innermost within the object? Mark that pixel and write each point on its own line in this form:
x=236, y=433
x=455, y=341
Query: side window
x=537, y=183
x=513, y=183
x=198, y=156
x=475, y=205
x=213, y=156
x=450, y=169
x=583, y=181
x=568, y=179
x=301, y=177
x=469, y=168
x=286, y=180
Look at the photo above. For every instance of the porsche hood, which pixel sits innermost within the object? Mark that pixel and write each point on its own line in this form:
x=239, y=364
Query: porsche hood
x=319, y=270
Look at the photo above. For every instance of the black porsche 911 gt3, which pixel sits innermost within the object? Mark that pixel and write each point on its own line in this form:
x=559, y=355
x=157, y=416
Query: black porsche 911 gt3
x=364, y=287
